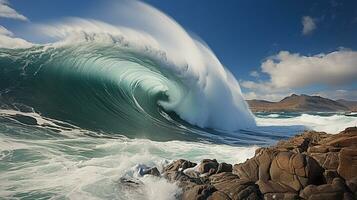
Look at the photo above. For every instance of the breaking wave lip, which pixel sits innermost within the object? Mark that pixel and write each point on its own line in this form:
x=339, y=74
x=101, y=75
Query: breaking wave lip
x=121, y=87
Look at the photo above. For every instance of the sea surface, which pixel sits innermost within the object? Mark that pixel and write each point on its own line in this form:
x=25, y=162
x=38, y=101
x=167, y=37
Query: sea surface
x=43, y=158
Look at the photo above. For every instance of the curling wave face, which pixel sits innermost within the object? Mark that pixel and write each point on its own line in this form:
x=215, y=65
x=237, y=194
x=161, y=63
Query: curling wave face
x=132, y=77
x=115, y=88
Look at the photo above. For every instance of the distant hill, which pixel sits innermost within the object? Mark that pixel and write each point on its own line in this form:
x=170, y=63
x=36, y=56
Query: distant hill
x=301, y=103
x=352, y=105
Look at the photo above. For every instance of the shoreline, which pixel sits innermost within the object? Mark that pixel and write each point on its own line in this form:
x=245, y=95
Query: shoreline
x=311, y=165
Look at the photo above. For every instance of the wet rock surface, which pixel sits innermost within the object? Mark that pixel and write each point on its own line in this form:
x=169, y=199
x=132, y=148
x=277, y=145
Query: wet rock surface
x=312, y=166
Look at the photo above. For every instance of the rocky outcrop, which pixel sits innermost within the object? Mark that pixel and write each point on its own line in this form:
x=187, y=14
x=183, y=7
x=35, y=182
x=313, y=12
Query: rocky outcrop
x=280, y=173
x=337, y=154
x=330, y=191
x=311, y=166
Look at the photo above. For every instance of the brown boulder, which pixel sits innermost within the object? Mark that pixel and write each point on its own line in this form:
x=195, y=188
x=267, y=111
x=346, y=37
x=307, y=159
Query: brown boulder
x=352, y=185
x=295, y=170
x=256, y=168
x=233, y=187
x=329, y=160
x=329, y=175
x=223, y=178
x=182, y=179
x=318, y=149
x=348, y=130
x=264, y=159
x=292, y=169
x=224, y=167
x=208, y=165
x=337, y=153
x=219, y=196
x=333, y=191
x=266, y=187
x=273, y=190
x=248, y=170
x=249, y=193
x=343, y=141
x=198, y=192
x=346, y=138
x=348, y=163
x=179, y=165
x=302, y=142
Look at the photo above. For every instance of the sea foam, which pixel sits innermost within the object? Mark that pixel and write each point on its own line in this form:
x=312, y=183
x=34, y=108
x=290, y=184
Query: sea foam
x=330, y=124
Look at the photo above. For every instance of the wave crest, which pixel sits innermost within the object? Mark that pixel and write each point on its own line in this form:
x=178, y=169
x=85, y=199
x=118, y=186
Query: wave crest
x=109, y=75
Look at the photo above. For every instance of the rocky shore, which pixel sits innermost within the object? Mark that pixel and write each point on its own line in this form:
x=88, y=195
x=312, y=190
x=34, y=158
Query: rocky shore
x=312, y=166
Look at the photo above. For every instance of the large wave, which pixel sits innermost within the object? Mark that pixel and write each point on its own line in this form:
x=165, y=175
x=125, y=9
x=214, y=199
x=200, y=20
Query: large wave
x=158, y=82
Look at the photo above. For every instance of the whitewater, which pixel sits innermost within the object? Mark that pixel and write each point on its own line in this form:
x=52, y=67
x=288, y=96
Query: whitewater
x=99, y=99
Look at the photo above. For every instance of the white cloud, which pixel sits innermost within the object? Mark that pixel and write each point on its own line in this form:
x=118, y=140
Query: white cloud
x=7, y=12
x=260, y=86
x=263, y=90
x=309, y=25
x=289, y=71
x=4, y=31
x=13, y=43
x=254, y=74
x=7, y=40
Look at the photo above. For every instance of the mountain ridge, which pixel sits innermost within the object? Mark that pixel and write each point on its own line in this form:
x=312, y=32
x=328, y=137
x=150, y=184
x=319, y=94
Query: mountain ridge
x=303, y=103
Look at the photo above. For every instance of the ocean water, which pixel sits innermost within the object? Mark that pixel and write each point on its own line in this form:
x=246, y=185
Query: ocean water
x=104, y=99
x=328, y=122
x=43, y=158
x=39, y=163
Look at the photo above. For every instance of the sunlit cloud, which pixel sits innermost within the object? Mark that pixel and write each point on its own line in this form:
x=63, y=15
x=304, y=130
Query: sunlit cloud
x=7, y=12
x=309, y=25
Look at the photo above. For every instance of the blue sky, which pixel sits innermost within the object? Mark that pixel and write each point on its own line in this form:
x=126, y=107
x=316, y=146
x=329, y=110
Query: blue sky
x=284, y=36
